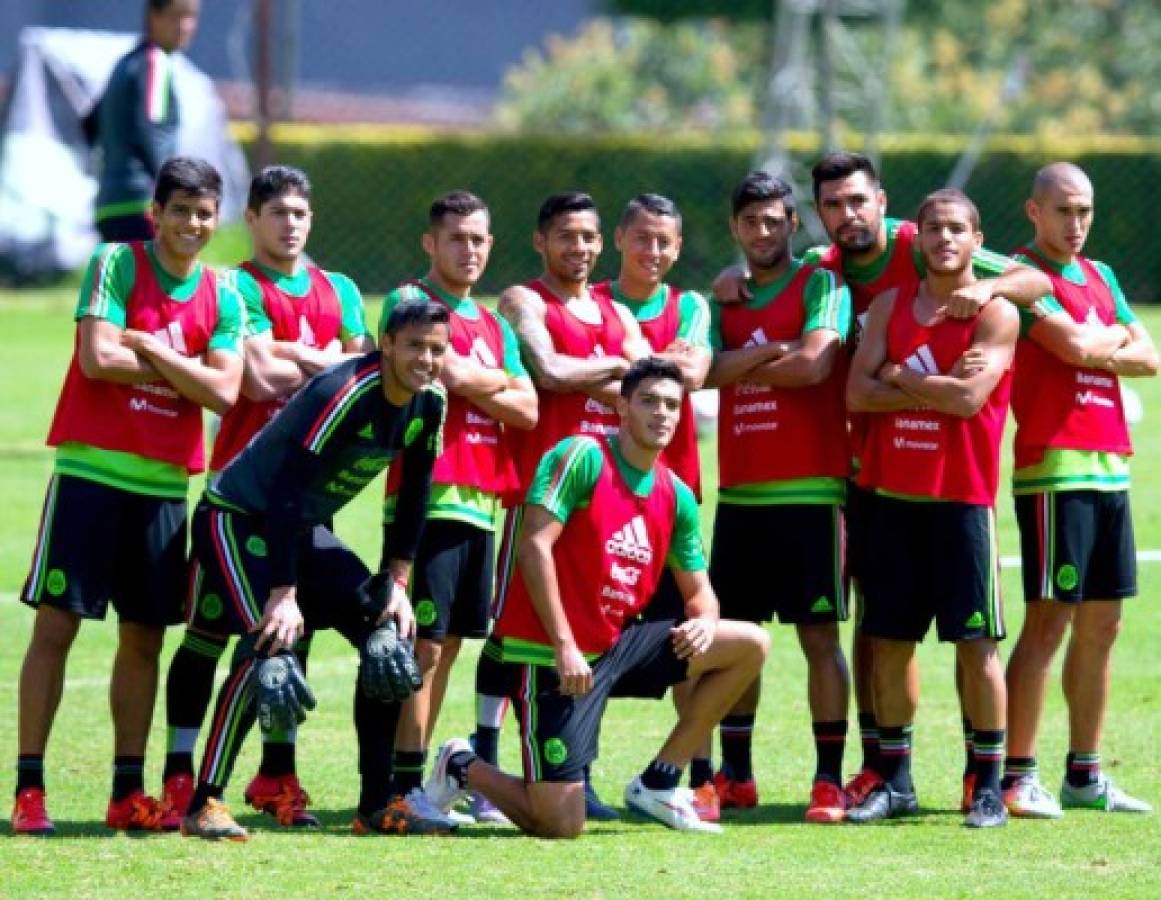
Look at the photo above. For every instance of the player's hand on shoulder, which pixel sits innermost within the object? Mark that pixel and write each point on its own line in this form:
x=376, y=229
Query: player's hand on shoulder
x=970, y=364
x=730, y=285
x=967, y=301
x=693, y=637
x=576, y=677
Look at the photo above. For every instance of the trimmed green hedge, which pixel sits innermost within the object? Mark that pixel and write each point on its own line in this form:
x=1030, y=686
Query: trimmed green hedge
x=371, y=197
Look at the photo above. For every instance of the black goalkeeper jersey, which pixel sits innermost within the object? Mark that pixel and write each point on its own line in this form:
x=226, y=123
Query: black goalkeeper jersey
x=327, y=444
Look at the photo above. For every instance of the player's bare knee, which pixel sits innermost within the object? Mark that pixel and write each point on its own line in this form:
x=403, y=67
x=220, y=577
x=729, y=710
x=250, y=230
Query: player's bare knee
x=142, y=641
x=819, y=642
x=54, y=631
x=977, y=656
x=427, y=654
x=1099, y=632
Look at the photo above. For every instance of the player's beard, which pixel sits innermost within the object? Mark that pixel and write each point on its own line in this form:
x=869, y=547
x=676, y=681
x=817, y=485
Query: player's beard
x=861, y=241
x=771, y=260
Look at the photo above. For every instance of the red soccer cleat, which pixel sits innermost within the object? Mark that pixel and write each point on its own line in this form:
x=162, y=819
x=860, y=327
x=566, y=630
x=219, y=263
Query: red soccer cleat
x=859, y=787
x=736, y=794
x=137, y=812
x=176, y=794
x=828, y=803
x=969, y=790
x=29, y=815
x=706, y=803
x=282, y=797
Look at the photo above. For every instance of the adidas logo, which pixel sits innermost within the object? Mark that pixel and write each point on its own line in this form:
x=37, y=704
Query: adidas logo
x=975, y=620
x=631, y=541
x=173, y=337
x=757, y=339
x=306, y=333
x=598, y=352
x=922, y=361
x=822, y=605
x=1092, y=318
x=482, y=354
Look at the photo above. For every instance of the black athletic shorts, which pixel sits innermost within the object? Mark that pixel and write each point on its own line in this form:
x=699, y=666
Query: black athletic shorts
x=1077, y=545
x=856, y=511
x=931, y=560
x=451, y=579
x=231, y=576
x=784, y=559
x=559, y=735
x=99, y=545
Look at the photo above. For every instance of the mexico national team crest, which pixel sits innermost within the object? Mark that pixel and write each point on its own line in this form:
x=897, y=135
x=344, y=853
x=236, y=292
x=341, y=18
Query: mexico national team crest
x=555, y=751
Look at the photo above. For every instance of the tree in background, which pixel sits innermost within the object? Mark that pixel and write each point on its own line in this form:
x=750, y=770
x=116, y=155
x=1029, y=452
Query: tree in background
x=1091, y=67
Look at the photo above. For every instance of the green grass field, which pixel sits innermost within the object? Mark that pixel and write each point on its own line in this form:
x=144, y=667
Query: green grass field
x=764, y=852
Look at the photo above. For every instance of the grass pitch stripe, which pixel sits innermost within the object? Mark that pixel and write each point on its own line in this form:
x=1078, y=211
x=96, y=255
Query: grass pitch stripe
x=226, y=549
x=225, y=734
x=357, y=385
x=40, y=551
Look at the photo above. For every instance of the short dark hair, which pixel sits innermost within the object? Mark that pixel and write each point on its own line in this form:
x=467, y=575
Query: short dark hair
x=455, y=203
x=186, y=173
x=759, y=187
x=654, y=204
x=420, y=311
x=840, y=164
x=274, y=181
x=158, y=5
x=564, y=202
x=646, y=368
x=949, y=195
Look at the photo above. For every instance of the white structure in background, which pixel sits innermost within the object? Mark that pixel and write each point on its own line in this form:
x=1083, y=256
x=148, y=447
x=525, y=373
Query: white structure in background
x=47, y=181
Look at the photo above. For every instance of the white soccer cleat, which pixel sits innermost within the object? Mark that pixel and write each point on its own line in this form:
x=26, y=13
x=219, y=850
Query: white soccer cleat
x=672, y=808
x=1027, y=798
x=441, y=789
x=422, y=808
x=1102, y=795
x=485, y=812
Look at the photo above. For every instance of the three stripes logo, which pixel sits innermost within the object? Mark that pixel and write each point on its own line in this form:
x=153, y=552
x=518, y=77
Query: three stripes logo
x=922, y=361
x=172, y=336
x=483, y=354
x=757, y=339
x=631, y=541
x=306, y=335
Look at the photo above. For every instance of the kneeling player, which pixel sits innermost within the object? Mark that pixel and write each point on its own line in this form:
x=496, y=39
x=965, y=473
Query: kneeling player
x=603, y=519
x=936, y=390
x=259, y=535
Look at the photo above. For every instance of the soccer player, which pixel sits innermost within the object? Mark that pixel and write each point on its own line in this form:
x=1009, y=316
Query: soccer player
x=783, y=461
x=675, y=322
x=1071, y=483
x=300, y=320
x=136, y=121
x=935, y=389
x=876, y=253
x=577, y=344
x=157, y=339
x=261, y=538
x=604, y=516
x=489, y=391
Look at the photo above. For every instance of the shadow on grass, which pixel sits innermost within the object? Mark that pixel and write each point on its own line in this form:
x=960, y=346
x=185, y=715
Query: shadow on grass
x=68, y=828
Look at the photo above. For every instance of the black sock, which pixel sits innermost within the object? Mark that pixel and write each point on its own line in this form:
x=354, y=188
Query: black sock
x=29, y=771
x=457, y=766
x=895, y=756
x=203, y=793
x=829, y=741
x=737, y=734
x=407, y=770
x=700, y=771
x=968, y=748
x=189, y=689
x=1017, y=767
x=277, y=758
x=375, y=728
x=659, y=776
x=486, y=743
x=1083, y=769
x=869, y=736
x=177, y=764
x=128, y=775
x=988, y=750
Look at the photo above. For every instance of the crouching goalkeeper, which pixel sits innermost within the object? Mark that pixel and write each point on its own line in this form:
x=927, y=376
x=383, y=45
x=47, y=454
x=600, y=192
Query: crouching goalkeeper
x=266, y=557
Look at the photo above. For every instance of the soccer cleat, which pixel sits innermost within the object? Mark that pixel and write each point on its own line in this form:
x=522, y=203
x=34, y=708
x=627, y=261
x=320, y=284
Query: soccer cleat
x=672, y=808
x=596, y=810
x=485, y=812
x=413, y=814
x=860, y=786
x=176, y=793
x=1102, y=795
x=736, y=794
x=282, y=797
x=987, y=810
x=706, y=803
x=213, y=822
x=828, y=803
x=1028, y=799
x=969, y=790
x=884, y=802
x=441, y=788
x=29, y=815
x=137, y=812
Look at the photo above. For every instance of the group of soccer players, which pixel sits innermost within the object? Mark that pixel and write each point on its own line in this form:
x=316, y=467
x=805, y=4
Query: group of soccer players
x=864, y=389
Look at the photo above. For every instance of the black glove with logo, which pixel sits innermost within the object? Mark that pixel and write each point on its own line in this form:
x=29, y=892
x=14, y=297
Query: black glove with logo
x=388, y=671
